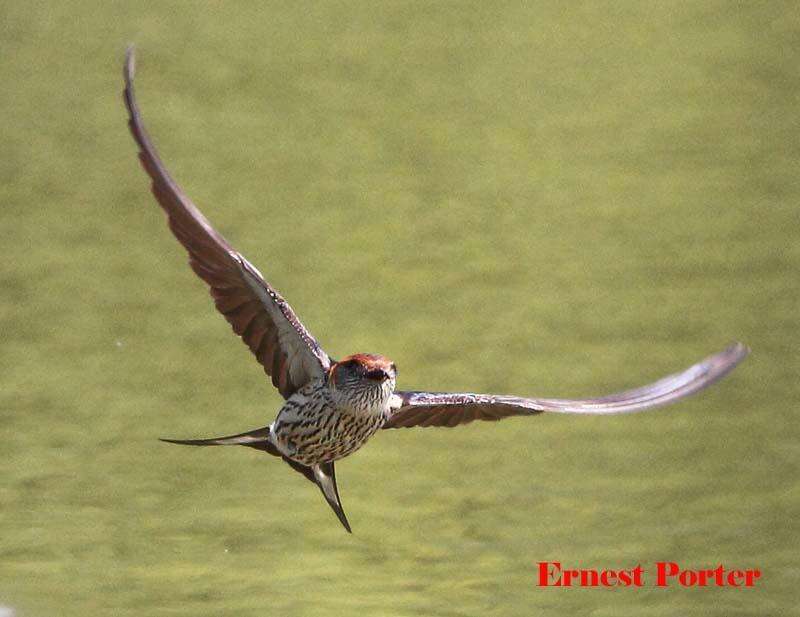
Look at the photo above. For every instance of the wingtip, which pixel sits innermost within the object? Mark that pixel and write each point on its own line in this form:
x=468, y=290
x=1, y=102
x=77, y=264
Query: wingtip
x=130, y=55
x=736, y=352
x=129, y=68
x=741, y=349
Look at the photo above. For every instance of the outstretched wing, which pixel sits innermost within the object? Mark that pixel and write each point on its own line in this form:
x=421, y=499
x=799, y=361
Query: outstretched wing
x=445, y=409
x=257, y=313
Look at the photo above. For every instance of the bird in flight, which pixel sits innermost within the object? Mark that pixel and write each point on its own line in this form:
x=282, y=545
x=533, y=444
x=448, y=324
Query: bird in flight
x=332, y=407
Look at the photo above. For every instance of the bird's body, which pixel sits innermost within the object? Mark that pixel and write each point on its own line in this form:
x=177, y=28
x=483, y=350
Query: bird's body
x=332, y=408
x=321, y=423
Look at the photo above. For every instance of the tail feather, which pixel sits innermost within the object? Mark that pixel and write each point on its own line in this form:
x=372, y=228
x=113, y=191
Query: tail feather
x=323, y=475
x=258, y=439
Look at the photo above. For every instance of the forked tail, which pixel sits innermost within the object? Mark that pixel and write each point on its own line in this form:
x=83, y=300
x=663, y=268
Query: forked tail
x=323, y=475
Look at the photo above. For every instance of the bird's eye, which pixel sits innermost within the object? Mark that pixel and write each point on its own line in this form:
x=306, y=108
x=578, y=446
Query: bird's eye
x=377, y=375
x=394, y=368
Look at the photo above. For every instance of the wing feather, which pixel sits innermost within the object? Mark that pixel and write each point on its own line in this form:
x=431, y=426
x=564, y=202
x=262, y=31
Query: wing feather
x=452, y=409
x=255, y=311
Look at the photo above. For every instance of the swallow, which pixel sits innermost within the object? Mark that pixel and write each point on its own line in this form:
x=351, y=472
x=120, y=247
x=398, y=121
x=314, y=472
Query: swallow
x=332, y=407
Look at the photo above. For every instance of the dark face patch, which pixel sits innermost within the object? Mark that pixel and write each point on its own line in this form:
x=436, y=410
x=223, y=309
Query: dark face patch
x=377, y=375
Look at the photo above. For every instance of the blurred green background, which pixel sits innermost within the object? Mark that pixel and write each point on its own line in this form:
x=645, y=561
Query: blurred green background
x=553, y=199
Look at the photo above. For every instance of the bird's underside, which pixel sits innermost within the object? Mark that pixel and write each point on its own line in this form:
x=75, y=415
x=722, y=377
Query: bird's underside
x=296, y=363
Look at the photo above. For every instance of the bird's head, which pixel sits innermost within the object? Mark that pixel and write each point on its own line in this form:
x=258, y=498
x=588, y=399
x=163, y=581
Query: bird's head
x=366, y=375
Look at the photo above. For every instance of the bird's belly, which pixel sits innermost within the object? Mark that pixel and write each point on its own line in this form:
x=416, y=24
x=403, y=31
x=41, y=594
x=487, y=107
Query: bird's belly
x=324, y=438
